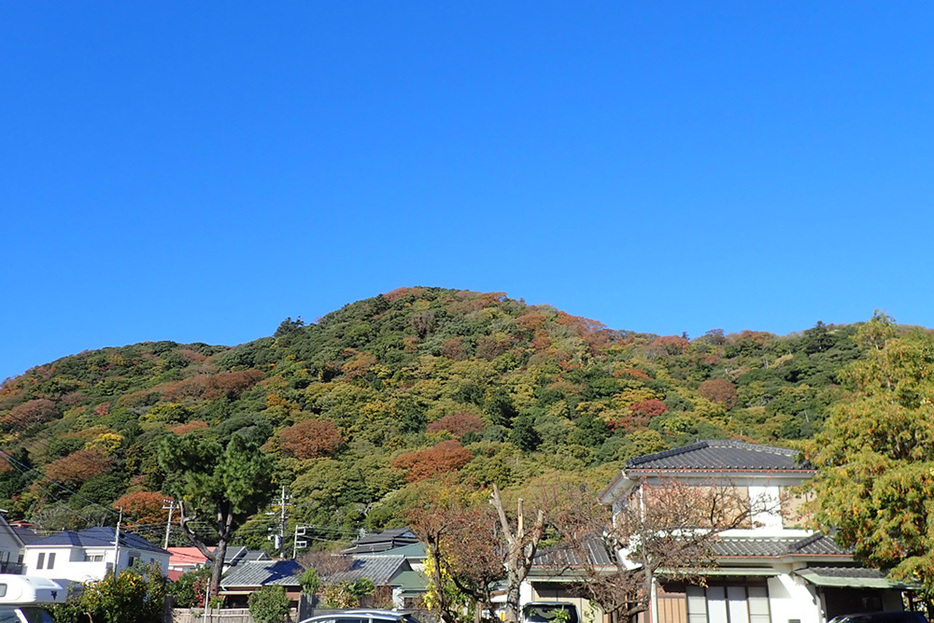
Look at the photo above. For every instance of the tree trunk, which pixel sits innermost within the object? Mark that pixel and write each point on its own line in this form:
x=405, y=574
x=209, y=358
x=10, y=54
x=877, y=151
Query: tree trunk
x=224, y=531
x=521, y=547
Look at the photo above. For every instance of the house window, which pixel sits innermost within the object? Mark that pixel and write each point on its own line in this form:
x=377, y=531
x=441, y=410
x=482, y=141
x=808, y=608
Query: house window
x=51, y=561
x=93, y=558
x=728, y=604
x=41, y=561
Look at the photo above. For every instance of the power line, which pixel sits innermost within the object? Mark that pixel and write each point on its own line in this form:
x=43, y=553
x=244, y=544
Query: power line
x=20, y=466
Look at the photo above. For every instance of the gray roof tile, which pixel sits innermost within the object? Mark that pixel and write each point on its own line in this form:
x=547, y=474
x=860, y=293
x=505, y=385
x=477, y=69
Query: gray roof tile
x=773, y=547
x=380, y=569
x=592, y=552
x=719, y=454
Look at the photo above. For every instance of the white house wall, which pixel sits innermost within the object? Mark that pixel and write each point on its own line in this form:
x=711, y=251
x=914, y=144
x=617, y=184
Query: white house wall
x=793, y=599
x=70, y=563
x=765, y=501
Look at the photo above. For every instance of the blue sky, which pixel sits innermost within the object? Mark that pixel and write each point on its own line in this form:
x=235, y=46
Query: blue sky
x=200, y=171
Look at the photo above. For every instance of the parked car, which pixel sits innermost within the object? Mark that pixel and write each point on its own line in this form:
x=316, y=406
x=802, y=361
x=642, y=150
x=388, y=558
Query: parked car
x=22, y=598
x=24, y=614
x=881, y=617
x=361, y=616
x=549, y=612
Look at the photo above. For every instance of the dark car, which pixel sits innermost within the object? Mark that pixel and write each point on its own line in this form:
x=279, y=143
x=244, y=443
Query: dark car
x=880, y=617
x=24, y=614
x=549, y=612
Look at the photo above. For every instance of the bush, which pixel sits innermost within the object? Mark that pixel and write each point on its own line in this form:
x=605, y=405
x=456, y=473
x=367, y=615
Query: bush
x=188, y=591
x=136, y=595
x=269, y=605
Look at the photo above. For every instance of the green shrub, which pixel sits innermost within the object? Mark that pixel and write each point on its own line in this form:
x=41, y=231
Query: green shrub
x=269, y=605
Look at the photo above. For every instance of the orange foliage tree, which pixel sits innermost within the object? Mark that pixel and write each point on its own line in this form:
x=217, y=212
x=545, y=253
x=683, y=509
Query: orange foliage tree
x=652, y=407
x=143, y=507
x=310, y=439
x=78, y=466
x=458, y=424
x=672, y=344
x=29, y=413
x=718, y=390
x=447, y=456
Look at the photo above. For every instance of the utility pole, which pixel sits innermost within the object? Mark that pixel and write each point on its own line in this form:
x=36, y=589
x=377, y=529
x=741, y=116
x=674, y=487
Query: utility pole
x=168, y=524
x=299, y=531
x=282, y=526
x=117, y=544
x=278, y=538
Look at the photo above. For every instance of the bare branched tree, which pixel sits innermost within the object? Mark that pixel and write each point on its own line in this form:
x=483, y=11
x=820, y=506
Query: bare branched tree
x=472, y=546
x=663, y=529
x=521, y=545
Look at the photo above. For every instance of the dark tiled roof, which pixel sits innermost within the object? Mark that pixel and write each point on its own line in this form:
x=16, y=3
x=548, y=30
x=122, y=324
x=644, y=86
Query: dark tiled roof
x=773, y=547
x=98, y=537
x=380, y=569
x=393, y=534
x=413, y=550
x=592, y=552
x=26, y=535
x=818, y=545
x=848, y=572
x=382, y=541
x=261, y=573
x=720, y=454
x=854, y=577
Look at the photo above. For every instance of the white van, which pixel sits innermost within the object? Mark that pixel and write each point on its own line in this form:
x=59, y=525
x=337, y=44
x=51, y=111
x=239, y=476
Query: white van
x=21, y=598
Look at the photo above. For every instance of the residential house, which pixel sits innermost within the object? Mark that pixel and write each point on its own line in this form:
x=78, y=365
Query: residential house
x=245, y=578
x=184, y=559
x=382, y=541
x=89, y=554
x=11, y=548
x=408, y=582
x=768, y=569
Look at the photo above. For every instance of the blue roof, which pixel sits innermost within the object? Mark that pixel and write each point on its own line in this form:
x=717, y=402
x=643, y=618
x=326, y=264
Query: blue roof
x=263, y=572
x=97, y=537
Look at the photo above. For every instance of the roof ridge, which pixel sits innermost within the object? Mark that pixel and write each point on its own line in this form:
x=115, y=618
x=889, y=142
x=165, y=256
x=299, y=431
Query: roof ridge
x=664, y=454
x=754, y=447
x=800, y=544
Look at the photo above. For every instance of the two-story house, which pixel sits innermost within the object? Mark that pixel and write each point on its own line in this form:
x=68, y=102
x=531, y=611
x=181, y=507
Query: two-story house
x=769, y=567
x=11, y=548
x=89, y=554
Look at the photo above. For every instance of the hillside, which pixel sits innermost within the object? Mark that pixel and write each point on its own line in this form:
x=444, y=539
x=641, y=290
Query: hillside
x=406, y=385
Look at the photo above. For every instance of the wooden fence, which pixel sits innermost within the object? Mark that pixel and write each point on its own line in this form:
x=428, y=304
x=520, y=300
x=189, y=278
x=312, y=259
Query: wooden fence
x=223, y=615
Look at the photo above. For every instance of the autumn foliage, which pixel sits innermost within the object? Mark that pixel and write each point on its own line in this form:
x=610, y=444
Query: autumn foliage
x=447, y=456
x=458, y=424
x=184, y=429
x=143, y=507
x=649, y=408
x=718, y=390
x=78, y=467
x=672, y=344
x=212, y=386
x=29, y=413
x=310, y=439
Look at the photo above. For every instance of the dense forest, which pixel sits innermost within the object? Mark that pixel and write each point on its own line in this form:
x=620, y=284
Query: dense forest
x=359, y=406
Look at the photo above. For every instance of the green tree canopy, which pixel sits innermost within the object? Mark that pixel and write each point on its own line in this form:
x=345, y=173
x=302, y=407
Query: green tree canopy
x=875, y=455
x=225, y=484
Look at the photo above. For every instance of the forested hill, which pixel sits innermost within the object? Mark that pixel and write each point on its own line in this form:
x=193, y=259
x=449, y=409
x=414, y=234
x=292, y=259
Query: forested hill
x=404, y=386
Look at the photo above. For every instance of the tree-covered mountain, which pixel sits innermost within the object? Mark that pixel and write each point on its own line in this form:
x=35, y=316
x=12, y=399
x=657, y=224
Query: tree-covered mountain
x=404, y=386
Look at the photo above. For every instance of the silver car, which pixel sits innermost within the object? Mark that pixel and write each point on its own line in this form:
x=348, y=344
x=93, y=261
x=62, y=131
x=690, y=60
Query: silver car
x=364, y=616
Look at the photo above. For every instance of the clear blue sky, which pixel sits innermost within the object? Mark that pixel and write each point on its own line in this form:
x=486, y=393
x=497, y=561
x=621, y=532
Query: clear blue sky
x=200, y=171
